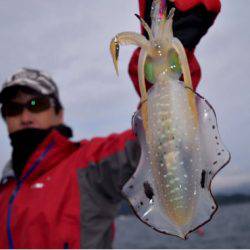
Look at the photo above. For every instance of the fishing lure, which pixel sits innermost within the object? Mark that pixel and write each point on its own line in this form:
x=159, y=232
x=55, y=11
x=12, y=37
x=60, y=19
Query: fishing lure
x=181, y=150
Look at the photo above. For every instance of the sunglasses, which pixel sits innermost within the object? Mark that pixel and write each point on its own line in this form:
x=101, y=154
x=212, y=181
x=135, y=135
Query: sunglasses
x=35, y=105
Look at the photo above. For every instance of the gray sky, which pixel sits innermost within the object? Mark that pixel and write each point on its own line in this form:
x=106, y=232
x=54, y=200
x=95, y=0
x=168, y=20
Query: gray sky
x=71, y=42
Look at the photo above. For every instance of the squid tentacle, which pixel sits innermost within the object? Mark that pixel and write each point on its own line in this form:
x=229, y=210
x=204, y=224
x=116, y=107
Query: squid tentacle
x=126, y=38
x=183, y=62
x=141, y=75
x=142, y=85
x=177, y=45
x=147, y=28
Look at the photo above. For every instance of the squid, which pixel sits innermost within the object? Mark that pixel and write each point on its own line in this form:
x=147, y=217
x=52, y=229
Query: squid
x=181, y=149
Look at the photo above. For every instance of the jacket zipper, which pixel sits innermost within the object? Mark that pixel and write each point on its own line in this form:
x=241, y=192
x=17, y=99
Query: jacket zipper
x=16, y=190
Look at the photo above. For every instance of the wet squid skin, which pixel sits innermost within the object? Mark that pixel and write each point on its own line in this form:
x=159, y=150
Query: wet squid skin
x=174, y=181
x=173, y=141
x=174, y=133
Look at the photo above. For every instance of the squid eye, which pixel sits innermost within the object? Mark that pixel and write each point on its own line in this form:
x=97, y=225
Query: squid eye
x=149, y=71
x=174, y=63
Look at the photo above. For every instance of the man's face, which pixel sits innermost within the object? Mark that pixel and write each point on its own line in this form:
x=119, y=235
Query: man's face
x=27, y=119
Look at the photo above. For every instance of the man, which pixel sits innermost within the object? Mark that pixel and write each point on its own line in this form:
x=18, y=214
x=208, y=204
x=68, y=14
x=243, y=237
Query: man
x=56, y=193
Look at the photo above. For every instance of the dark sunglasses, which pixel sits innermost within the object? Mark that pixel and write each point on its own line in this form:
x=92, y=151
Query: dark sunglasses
x=35, y=105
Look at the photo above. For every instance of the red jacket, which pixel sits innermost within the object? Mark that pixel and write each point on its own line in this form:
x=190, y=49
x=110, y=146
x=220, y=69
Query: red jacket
x=68, y=194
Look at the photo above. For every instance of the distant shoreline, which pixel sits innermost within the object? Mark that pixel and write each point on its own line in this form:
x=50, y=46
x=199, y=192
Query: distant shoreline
x=232, y=199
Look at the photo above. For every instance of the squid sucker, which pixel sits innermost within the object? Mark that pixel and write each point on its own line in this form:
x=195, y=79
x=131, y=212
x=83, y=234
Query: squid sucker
x=181, y=150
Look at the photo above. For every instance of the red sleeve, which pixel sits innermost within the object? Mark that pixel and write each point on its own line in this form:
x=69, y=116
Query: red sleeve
x=100, y=148
x=111, y=162
x=211, y=5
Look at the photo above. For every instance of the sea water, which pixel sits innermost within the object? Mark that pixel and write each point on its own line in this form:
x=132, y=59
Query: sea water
x=229, y=228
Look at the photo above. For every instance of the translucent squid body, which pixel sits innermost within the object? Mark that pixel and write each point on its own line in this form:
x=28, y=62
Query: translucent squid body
x=177, y=130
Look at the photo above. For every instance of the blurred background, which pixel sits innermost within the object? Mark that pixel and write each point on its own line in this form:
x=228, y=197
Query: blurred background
x=70, y=40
